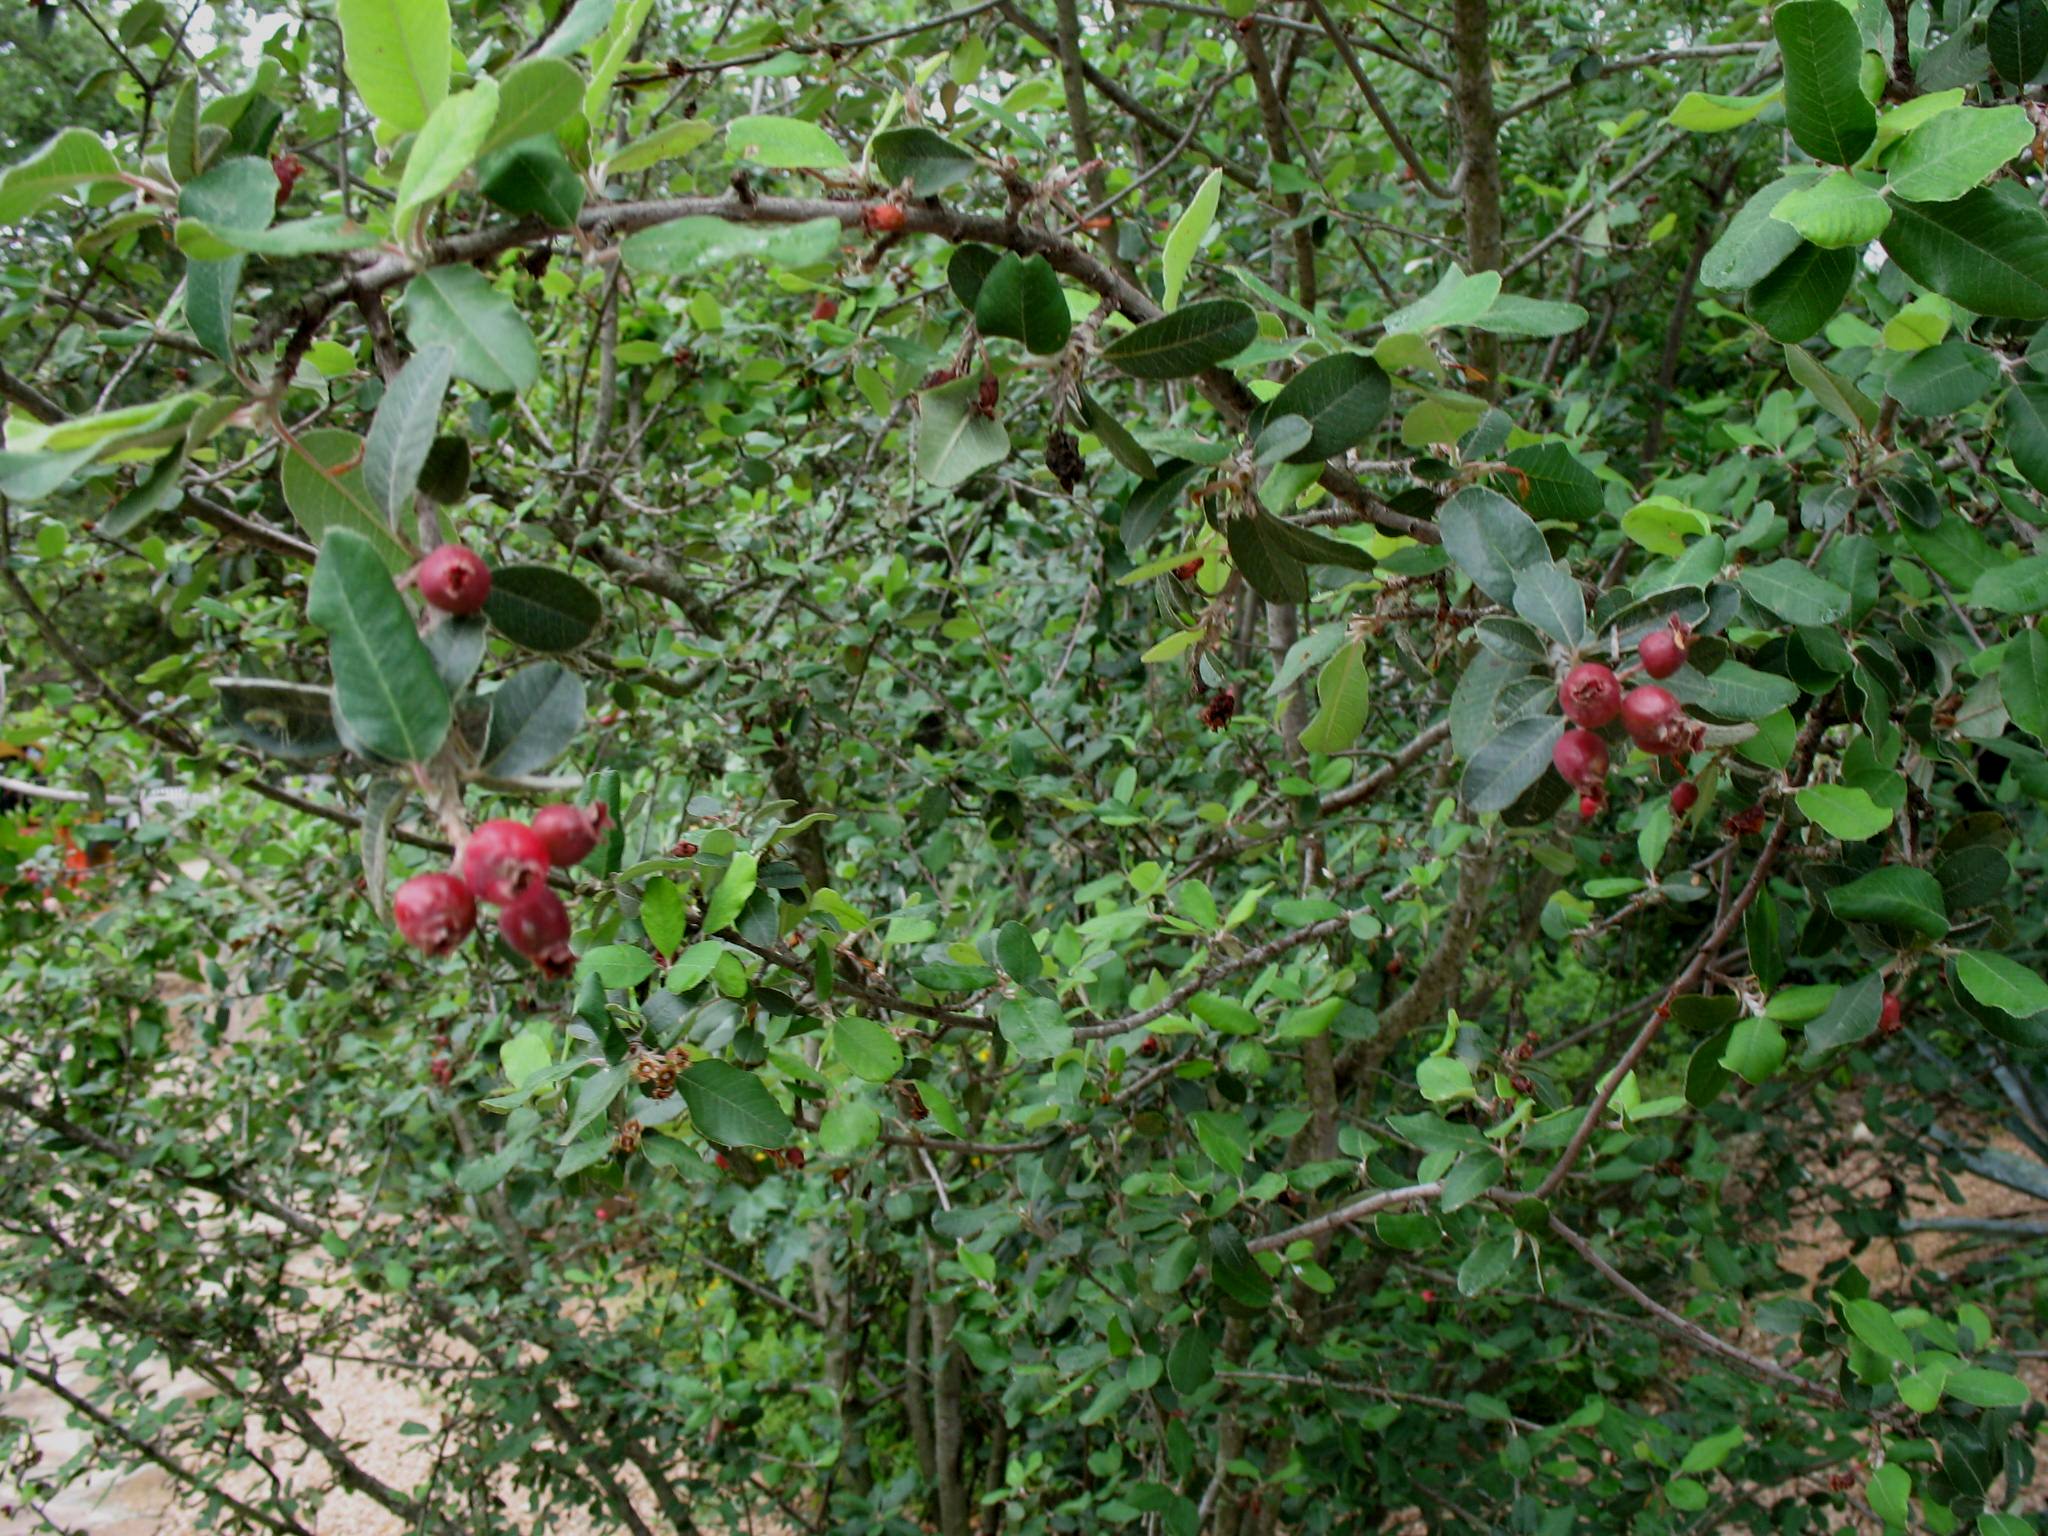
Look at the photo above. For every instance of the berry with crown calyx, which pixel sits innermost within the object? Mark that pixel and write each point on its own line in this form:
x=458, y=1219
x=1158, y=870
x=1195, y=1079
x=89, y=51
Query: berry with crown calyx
x=1590, y=695
x=1684, y=796
x=1654, y=721
x=884, y=218
x=454, y=579
x=572, y=831
x=1663, y=650
x=1891, y=1015
x=536, y=925
x=434, y=912
x=1580, y=758
x=503, y=860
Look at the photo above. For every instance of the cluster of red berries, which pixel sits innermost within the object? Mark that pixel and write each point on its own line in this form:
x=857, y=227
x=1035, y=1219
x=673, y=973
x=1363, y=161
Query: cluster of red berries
x=505, y=863
x=1591, y=698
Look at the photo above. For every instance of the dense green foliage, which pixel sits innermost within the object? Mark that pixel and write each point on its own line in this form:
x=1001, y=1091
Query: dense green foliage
x=1053, y=532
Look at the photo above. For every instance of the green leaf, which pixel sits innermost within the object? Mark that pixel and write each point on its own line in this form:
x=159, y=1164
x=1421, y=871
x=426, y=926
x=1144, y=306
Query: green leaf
x=1984, y=1388
x=868, y=1049
x=456, y=307
x=1803, y=292
x=733, y=1108
x=2023, y=682
x=618, y=965
x=1189, y=1364
x=1491, y=540
x=1954, y=151
x=1035, y=1027
x=446, y=147
x=730, y=895
x=2016, y=37
x=1939, y=381
x=1754, y=243
x=1513, y=315
x=535, y=715
x=237, y=194
x=1708, y=1454
x=1733, y=691
x=1825, y=109
x=1020, y=298
x=533, y=177
x=1559, y=486
x=699, y=243
x=1457, y=299
x=670, y=142
x=320, y=236
x=1486, y=1266
x=1342, y=398
x=783, y=144
x=323, y=496
x=1897, y=896
x=397, y=54
x=1919, y=325
x=620, y=32
x=663, y=915
x=2019, y=586
x=2024, y=416
x=2000, y=983
x=542, y=608
x=1235, y=1271
x=1987, y=250
x=1123, y=447
x=954, y=440
x=1190, y=231
x=73, y=158
x=1887, y=1491
x=1843, y=812
x=1344, y=695
x=537, y=96
x=1844, y=401
x=1756, y=1049
x=1513, y=760
x=1474, y=1174
x=1703, y=112
x=1794, y=593
x=385, y=687
x=1549, y=597
x=1280, y=437
x=848, y=1128
x=402, y=431
x=1186, y=341
x=929, y=161
x=1851, y=1015
x=1839, y=210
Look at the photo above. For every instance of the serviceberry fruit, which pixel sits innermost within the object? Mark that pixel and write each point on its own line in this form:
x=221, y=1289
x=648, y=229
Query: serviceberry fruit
x=1589, y=807
x=1662, y=653
x=536, y=924
x=1590, y=695
x=288, y=169
x=1580, y=758
x=1654, y=721
x=1891, y=1016
x=434, y=912
x=1188, y=570
x=1684, y=797
x=883, y=218
x=454, y=579
x=827, y=308
x=1218, y=712
x=503, y=860
x=571, y=831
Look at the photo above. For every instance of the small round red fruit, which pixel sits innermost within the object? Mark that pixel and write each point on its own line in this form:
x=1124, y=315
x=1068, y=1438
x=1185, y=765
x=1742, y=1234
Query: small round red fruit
x=1589, y=807
x=536, y=924
x=1661, y=652
x=454, y=579
x=1891, y=1015
x=1684, y=797
x=884, y=218
x=1654, y=721
x=503, y=860
x=827, y=308
x=434, y=912
x=571, y=831
x=1580, y=758
x=1590, y=695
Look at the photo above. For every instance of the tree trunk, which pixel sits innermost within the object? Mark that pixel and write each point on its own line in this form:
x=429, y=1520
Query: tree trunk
x=1478, y=130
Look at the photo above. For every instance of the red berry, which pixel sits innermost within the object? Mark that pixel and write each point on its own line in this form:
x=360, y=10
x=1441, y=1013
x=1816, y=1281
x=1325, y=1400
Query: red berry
x=434, y=912
x=1891, y=1017
x=1590, y=695
x=604, y=1214
x=1661, y=652
x=827, y=308
x=287, y=169
x=503, y=859
x=1149, y=1046
x=1218, y=712
x=883, y=218
x=1589, y=807
x=571, y=831
x=793, y=1158
x=1188, y=570
x=1580, y=758
x=1684, y=797
x=1654, y=721
x=537, y=926
x=454, y=579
